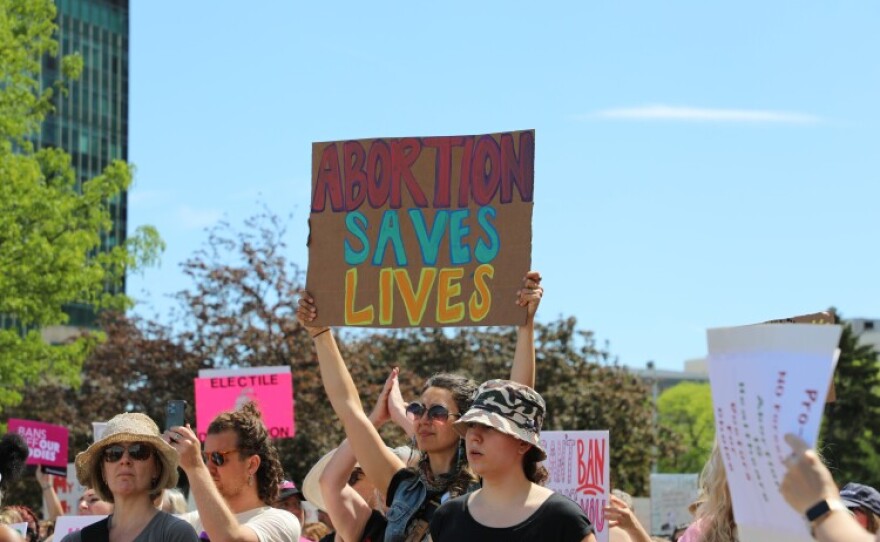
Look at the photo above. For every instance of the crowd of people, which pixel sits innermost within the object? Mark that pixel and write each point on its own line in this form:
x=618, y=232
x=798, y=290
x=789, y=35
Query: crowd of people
x=474, y=472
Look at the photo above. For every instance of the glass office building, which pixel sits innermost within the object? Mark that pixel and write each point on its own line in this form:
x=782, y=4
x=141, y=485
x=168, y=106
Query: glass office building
x=91, y=121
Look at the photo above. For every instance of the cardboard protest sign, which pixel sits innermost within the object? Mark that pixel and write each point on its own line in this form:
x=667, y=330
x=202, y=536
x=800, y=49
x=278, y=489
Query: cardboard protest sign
x=579, y=466
x=64, y=525
x=671, y=495
x=812, y=318
x=47, y=444
x=767, y=380
x=421, y=231
x=219, y=390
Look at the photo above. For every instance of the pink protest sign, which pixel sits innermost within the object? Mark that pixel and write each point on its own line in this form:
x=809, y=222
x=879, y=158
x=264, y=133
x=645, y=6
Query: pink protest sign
x=47, y=444
x=579, y=466
x=271, y=388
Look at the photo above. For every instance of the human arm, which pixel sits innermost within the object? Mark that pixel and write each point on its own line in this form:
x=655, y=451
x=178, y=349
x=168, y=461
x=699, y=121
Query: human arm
x=347, y=509
x=53, y=507
x=621, y=515
x=391, y=406
x=529, y=296
x=377, y=461
x=397, y=408
x=807, y=482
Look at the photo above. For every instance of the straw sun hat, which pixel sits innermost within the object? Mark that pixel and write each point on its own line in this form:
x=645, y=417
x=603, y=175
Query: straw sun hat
x=124, y=428
x=312, y=489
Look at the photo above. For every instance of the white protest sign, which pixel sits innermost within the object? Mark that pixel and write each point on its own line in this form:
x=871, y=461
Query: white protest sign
x=98, y=430
x=671, y=495
x=64, y=525
x=579, y=466
x=21, y=528
x=767, y=380
x=68, y=490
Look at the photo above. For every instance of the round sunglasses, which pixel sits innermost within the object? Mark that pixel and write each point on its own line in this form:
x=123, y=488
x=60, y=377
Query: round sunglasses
x=217, y=458
x=436, y=413
x=137, y=451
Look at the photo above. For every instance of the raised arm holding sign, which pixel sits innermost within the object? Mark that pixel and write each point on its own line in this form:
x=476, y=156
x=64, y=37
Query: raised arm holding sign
x=445, y=398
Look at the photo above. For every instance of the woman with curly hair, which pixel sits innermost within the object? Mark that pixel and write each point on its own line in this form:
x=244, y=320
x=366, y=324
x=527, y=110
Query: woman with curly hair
x=234, y=480
x=411, y=494
x=713, y=509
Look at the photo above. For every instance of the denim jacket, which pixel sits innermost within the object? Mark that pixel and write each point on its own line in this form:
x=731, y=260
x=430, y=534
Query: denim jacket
x=409, y=497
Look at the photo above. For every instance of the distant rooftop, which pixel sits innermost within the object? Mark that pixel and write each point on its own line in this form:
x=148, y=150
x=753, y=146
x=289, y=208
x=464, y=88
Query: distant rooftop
x=868, y=331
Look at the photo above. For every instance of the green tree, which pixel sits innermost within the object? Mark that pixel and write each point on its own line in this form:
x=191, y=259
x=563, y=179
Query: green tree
x=137, y=368
x=50, y=228
x=686, y=411
x=240, y=312
x=850, y=433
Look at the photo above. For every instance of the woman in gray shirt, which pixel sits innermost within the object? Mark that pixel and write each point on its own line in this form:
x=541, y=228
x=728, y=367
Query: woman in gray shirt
x=129, y=467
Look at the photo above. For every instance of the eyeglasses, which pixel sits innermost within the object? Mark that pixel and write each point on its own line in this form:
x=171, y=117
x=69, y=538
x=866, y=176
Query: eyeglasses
x=437, y=413
x=217, y=458
x=137, y=451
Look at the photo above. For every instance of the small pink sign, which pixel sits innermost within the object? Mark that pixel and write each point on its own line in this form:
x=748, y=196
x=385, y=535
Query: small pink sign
x=47, y=443
x=271, y=388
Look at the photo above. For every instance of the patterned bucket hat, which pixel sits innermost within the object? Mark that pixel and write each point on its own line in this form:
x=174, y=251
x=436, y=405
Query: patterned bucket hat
x=509, y=407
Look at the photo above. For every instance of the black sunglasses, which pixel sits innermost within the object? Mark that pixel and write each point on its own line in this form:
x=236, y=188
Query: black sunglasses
x=217, y=458
x=437, y=413
x=137, y=451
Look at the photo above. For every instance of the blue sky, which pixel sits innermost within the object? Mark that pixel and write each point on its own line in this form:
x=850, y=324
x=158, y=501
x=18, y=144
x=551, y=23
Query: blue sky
x=697, y=164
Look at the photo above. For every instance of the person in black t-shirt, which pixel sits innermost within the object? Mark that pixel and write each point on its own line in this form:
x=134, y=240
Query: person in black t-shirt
x=412, y=495
x=501, y=432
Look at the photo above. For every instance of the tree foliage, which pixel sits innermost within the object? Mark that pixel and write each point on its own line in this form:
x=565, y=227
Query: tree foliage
x=138, y=368
x=850, y=433
x=686, y=410
x=50, y=227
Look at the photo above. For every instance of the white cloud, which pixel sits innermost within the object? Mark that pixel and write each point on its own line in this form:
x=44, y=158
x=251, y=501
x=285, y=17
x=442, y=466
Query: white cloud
x=701, y=114
x=191, y=219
